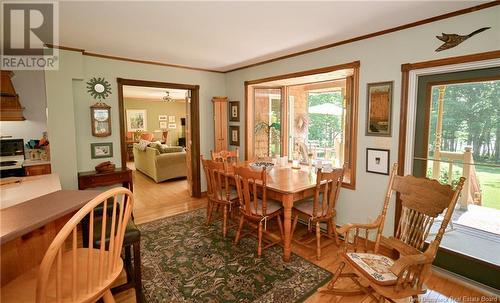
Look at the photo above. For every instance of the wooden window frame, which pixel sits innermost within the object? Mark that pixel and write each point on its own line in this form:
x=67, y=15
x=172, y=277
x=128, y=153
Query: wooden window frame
x=352, y=90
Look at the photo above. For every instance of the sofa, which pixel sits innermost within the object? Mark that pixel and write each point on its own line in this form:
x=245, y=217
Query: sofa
x=160, y=166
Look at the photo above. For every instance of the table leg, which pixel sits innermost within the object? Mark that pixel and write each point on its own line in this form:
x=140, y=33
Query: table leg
x=287, y=245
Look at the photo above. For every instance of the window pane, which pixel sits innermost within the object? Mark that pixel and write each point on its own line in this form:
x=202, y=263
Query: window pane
x=267, y=122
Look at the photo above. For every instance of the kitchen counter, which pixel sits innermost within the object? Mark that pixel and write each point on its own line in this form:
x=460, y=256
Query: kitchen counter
x=27, y=189
x=25, y=217
x=29, y=162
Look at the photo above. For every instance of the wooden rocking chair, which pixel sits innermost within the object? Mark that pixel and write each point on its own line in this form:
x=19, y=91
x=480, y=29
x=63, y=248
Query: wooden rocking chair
x=379, y=276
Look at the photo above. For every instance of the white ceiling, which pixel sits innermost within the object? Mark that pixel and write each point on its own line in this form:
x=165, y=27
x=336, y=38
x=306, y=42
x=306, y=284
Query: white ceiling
x=153, y=93
x=226, y=35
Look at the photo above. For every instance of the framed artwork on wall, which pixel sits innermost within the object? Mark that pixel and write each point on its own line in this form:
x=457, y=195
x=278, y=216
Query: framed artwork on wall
x=136, y=120
x=162, y=118
x=234, y=135
x=379, y=109
x=234, y=111
x=377, y=161
x=101, y=150
x=100, y=117
x=171, y=119
x=172, y=125
x=163, y=125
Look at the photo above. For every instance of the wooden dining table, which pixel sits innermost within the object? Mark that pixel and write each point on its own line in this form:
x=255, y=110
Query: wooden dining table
x=288, y=185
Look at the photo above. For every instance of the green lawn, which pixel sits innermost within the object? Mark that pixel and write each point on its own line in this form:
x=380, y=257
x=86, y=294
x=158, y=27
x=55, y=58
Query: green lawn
x=489, y=181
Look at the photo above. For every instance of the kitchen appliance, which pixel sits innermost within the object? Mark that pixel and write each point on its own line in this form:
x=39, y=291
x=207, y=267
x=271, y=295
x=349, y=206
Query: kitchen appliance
x=11, y=158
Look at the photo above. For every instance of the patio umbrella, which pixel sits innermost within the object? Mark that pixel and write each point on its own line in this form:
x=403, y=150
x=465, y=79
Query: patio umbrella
x=326, y=108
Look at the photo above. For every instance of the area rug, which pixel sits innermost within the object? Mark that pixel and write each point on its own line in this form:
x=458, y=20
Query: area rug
x=184, y=260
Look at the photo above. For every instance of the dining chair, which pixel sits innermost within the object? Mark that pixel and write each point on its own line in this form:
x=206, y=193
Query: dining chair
x=382, y=277
x=70, y=273
x=226, y=155
x=321, y=207
x=219, y=191
x=254, y=205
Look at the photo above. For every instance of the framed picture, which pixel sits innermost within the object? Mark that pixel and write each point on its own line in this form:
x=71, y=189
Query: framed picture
x=163, y=125
x=379, y=109
x=234, y=111
x=377, y=161
x=162, y=117
x=101, y=150
x=171, y=119
x=234, y=135
x=172, y=125
x=136, y=120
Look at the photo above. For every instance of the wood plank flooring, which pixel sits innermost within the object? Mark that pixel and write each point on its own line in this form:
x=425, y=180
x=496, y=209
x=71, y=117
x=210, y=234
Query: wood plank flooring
x=155, y=201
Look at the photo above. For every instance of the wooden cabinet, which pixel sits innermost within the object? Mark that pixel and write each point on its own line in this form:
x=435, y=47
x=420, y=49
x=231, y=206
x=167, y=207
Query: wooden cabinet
x=35, y=170
x=220, y=123
x=92, y=179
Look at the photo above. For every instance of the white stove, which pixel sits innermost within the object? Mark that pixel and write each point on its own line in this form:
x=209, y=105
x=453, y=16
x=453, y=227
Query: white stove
x=11, y=158
x=11, y=162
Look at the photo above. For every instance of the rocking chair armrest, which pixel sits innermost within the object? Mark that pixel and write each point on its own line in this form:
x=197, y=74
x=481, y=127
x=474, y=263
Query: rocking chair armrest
x=405, y=262
x=346, y=228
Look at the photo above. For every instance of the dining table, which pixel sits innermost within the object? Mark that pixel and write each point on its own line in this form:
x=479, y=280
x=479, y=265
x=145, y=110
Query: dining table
x=288, y=185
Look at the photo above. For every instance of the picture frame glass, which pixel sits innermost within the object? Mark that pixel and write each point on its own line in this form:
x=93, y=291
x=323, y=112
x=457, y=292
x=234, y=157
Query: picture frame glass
x=379, y=109
x=377, y=161
x=136, y=120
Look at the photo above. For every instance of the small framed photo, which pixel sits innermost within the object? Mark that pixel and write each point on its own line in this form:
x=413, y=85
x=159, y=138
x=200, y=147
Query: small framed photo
x=162, y=117
x=136, y=120
x=379, y=109
x=234, y=111
x=172, y=125
x=171, y=119
x=163, y=124
x=377, y=161
x=234, y=135
x=101, y=150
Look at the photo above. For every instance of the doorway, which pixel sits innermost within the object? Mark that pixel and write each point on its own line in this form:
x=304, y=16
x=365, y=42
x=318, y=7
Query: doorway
x=192, y=127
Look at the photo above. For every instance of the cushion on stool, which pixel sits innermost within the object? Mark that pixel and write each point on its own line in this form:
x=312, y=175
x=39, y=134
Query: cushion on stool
x=376, y=266
x=132, y=233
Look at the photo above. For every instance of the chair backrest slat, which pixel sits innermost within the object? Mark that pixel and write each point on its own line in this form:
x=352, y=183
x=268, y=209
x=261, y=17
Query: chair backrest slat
x=71, y=270
x=232, y=156
x=327, y=191
x=217, y=180
x=248, y=184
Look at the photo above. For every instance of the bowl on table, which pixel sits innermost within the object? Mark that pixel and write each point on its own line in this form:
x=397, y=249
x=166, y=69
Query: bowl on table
x=259, y=165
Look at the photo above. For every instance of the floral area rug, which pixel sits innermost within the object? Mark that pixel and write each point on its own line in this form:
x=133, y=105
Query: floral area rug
x=184, y=260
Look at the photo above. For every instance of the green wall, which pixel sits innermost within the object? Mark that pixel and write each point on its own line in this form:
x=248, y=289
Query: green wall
x=156, y=108
x=69, y=107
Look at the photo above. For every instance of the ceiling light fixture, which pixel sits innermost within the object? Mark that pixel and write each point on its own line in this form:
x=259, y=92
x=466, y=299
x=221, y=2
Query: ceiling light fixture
x=167, y=97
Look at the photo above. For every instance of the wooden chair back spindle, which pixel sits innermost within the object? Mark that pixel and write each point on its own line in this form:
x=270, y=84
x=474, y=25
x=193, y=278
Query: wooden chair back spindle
x=251, y=186
x=327, y=191
x=85, y=274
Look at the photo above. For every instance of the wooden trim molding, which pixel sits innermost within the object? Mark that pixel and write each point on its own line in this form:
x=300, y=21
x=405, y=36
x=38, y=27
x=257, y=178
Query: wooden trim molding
x=405, y=79
x=353, y=91
x=195, y=123
x=375, y=34
x=311, y=50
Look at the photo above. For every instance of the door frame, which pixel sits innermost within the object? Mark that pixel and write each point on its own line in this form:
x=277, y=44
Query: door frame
x=409, y=85
x=194, y=125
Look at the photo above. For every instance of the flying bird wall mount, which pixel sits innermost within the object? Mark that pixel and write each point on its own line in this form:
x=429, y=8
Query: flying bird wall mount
x=452, y=40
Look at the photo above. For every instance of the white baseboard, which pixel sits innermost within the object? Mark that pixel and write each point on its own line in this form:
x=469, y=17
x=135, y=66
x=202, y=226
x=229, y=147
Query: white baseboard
x=479, y=287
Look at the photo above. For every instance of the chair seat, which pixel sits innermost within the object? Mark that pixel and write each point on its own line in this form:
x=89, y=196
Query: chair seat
x=272, y=206
x=132, y=233
x=233, y=195
x=306, y=207
x=376, y=267
x=23, y=288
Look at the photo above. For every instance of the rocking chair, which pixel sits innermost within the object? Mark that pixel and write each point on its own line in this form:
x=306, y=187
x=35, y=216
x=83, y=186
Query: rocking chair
x=379, y=276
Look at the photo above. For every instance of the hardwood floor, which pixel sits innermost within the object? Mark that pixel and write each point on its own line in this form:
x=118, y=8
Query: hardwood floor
x=155, y=201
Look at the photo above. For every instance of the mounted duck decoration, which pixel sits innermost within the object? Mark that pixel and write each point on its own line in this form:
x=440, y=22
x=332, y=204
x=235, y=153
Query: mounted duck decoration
x=452, y=40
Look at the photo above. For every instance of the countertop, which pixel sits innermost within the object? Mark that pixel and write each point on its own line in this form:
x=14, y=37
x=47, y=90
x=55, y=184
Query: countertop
x=27, y=216
x=29, y=162
x=27, y=189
